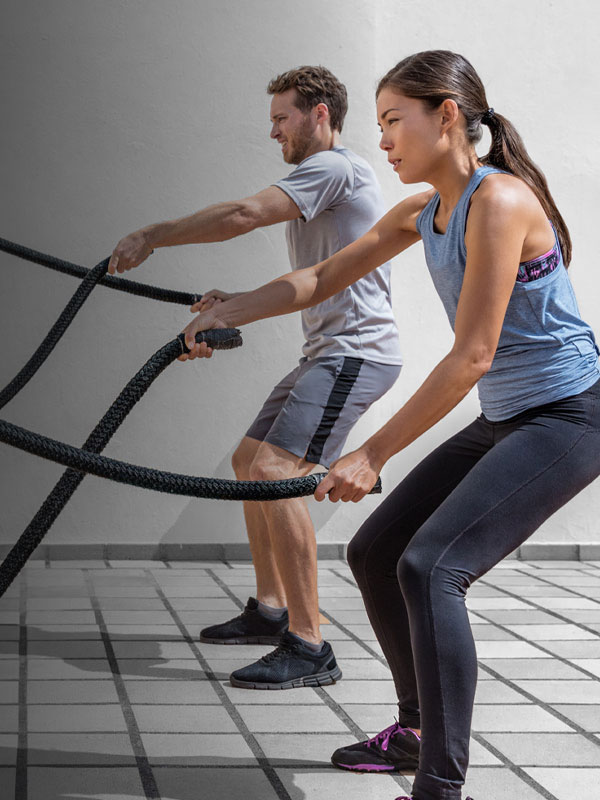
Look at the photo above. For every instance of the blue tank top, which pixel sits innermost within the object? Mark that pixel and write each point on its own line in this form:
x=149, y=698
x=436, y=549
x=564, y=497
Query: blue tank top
x=546, y=352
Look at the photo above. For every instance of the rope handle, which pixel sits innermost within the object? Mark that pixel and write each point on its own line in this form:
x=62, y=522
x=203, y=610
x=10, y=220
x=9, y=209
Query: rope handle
x=217, y=338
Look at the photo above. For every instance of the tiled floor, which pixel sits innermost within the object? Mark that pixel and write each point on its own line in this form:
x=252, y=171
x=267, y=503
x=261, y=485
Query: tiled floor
x=105, y=691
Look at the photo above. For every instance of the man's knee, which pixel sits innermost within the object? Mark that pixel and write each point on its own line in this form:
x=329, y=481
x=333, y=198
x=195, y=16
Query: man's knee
x=242, y=459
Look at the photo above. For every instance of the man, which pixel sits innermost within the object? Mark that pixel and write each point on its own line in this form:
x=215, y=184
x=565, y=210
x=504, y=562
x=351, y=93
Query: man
x=351, y=358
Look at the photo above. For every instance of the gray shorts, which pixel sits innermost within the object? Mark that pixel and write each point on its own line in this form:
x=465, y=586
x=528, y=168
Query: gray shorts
x=312, y=410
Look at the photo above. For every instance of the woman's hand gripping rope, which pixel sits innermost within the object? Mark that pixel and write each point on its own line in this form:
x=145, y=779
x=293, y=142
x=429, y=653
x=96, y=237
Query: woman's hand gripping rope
x=350, y=478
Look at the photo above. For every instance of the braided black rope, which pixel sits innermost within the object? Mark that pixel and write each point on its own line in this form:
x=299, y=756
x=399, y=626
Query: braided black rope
x=122, y=284
x=87, y=459
x=55, y=334
x=158, y=480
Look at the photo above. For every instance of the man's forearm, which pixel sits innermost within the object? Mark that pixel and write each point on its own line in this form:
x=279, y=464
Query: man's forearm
x=216, y=223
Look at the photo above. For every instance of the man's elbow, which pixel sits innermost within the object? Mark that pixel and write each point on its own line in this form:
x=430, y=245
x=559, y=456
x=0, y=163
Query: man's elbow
x=243, y=218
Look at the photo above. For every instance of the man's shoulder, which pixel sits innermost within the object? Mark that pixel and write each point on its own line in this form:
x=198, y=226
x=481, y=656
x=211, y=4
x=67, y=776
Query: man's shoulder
x=338, y=161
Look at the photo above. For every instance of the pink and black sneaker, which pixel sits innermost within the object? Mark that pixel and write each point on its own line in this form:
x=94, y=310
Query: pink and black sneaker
x=395, y=749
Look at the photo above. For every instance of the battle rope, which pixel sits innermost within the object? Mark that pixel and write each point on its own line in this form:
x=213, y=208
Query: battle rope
x=121, y=284
x=87, y=459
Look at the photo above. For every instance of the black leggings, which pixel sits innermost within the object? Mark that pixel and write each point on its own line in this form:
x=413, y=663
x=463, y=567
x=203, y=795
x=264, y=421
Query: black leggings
x=465, y=507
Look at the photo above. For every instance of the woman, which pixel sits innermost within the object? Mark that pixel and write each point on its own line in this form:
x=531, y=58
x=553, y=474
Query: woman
x=497, y=249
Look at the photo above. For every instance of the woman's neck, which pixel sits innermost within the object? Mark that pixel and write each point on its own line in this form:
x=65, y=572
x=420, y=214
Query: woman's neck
x=451, y=178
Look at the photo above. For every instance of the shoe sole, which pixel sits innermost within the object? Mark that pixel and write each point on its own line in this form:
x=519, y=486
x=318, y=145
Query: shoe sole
x=371, y=768
x=320, y=679
x=243, y=640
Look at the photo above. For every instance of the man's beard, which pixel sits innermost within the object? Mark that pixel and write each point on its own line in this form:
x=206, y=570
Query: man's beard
x=302, y=143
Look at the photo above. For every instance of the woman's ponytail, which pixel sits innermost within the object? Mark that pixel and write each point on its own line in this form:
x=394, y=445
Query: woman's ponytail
x=508, y=152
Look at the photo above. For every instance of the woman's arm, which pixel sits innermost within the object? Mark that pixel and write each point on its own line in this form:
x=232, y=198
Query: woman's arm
x=303, y=288
x=496, y=229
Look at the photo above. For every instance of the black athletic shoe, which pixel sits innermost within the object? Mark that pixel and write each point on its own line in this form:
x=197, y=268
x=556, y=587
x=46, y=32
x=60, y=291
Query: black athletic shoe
x=393, y=750
x=291, y=665
x=250, y=627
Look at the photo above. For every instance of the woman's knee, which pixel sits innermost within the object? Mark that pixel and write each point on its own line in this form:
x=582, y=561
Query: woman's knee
x=412, y=570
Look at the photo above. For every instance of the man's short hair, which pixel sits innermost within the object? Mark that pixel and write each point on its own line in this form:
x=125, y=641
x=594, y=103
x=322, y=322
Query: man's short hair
x=314, y=85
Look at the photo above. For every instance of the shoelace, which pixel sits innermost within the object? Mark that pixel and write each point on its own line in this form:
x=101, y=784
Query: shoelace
x=282, y=649
x=385, y=737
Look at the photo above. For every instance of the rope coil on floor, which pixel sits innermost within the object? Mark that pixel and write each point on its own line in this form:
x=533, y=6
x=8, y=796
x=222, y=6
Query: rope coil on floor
x=87, y=459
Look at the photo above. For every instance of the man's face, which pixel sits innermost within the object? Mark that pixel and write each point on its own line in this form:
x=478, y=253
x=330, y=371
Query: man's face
x=293, y=129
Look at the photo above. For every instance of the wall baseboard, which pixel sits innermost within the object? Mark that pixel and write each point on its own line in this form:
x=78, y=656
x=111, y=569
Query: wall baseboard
x=240, y=551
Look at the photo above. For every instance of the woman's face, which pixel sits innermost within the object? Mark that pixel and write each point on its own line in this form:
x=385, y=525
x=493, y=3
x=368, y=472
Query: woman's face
x=411, y=135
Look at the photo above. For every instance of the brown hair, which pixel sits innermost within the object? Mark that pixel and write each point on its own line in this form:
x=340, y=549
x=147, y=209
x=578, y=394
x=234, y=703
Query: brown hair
x=314, y=85
x=437, y=75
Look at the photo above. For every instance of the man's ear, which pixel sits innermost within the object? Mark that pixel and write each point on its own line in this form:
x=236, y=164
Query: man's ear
x=322, y=111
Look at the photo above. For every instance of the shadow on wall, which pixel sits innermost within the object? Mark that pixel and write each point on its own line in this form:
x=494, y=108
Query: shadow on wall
x=222, y=521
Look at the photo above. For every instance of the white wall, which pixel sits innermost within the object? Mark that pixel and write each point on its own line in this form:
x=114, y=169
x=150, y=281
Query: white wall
x=123, y=113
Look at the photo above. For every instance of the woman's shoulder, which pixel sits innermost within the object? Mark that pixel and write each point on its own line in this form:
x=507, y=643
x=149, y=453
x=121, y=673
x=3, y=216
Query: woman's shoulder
x=408, y=210
x=501, y=191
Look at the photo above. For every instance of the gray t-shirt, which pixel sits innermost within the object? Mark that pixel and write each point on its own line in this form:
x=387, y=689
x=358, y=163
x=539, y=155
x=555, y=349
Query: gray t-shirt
x=340, y=198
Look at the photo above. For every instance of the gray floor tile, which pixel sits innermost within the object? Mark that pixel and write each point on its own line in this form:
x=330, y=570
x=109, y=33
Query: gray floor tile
x=79, y=748
x=216, y=784
x=546, y=668
x=589, y=664
x=43, y=618
x=525, y=616
x=503, y=649
x=363, y=631
x=71, y=718
x=372, y=717
x=86, y=649
x=562, y=632
x=125, y=604
x=223, y=607
x=167, y=692
x=150, y=649
x=132, y=617
x=214, y=749
x=122, y=783
x=9, y=718
x=9, y=632
x=173, y=591
x=564, y=691
x=585, y=715
x=500, y=718
x=8, y=751
x=486, y=633
x=574, y=648
x=497, y=692
x=9, y=669
x=155, y=669
x=9, y=692
x=128, y=632
x=562, y=603
x=78, y=692
x=545, y=749
x=298, y=749
x=481, y=603
x=76, y=669
x=183, y=719
x=309, y=719
x=57, y=632
x=500, y=783
x=337, y=784
x=335, y=604
x=289, y=697
x=565, y=783
x=364, y=669
x=59, y=604
x=348, y=617
x=348, y=691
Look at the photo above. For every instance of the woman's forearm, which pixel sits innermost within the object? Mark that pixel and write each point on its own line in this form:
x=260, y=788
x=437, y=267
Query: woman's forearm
x=444, y=388
x=284, y=295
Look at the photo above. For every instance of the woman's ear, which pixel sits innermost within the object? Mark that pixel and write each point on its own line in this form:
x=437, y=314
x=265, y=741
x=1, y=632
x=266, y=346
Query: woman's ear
x=450, y=113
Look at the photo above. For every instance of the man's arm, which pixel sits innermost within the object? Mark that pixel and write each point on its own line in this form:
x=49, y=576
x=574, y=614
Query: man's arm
x=216, y=223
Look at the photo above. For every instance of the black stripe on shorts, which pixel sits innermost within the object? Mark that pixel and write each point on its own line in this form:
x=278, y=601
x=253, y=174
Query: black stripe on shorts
x=335, y=403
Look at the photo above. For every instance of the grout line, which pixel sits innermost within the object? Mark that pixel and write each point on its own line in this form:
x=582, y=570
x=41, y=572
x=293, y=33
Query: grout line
x=226, y=701
x=145, y=770
x=21, y=783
